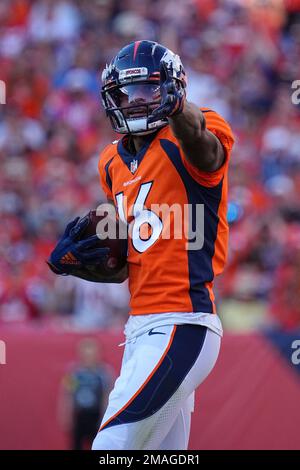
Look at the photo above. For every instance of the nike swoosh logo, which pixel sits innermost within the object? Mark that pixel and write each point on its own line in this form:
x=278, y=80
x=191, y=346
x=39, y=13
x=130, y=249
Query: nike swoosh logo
x=151, y=332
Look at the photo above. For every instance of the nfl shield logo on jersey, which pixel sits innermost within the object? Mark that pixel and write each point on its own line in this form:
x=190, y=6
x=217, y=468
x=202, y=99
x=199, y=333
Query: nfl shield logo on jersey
x=133, y=166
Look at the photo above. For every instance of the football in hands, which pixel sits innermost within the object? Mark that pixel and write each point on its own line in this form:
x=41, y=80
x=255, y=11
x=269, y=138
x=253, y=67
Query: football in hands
x=112, y=234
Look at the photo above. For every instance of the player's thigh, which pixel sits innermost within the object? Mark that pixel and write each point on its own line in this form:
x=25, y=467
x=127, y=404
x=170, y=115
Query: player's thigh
x=140, y=367
x=171, y=425
x=128, y=400
x=153, y=386
x=149, y=433
x=181, y=407
x=204, y=363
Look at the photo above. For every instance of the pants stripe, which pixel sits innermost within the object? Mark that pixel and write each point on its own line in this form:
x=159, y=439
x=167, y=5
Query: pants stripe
x=144, y=384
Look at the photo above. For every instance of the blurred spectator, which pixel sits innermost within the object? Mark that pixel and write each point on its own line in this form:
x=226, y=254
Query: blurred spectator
x=84, y=395
x=241, y=58
x=92, y=305
x=50, y=21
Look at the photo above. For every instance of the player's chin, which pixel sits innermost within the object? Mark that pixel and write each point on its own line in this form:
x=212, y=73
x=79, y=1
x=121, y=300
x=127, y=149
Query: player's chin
x=137, y=113
x=140, y=113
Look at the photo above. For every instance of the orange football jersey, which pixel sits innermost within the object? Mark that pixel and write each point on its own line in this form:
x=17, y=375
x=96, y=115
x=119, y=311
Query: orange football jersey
x=165, y=276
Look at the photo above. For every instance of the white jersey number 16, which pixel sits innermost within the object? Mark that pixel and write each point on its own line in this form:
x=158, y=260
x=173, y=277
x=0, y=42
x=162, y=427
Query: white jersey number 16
x=141, y=216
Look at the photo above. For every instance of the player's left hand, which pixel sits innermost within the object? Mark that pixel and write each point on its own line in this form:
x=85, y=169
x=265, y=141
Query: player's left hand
x=172, y=94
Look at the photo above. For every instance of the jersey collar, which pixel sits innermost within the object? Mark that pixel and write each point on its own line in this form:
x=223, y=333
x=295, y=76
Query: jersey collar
x=132, y=161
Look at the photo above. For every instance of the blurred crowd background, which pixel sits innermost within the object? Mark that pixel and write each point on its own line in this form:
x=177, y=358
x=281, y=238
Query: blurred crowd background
x=241, y=58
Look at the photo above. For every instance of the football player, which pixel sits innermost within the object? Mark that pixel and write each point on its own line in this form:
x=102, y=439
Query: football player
x=172, y=153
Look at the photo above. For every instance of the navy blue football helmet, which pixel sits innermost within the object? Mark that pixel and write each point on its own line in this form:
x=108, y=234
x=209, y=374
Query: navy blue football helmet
x=131, y=87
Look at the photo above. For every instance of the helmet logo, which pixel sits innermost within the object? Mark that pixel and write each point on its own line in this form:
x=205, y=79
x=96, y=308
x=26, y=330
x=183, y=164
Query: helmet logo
x=174, y=61
x=107, y=71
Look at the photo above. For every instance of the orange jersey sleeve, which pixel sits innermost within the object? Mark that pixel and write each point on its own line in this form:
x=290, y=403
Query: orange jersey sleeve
x=218, y=126
x=106, y=157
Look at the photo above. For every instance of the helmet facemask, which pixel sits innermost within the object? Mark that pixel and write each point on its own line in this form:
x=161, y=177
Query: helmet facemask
x=129, y=106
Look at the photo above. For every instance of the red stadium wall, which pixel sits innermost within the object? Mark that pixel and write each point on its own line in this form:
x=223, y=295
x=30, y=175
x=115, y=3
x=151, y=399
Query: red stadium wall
x=250, y=401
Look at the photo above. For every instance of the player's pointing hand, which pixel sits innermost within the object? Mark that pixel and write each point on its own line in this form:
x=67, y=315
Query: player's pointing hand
x=172, y=94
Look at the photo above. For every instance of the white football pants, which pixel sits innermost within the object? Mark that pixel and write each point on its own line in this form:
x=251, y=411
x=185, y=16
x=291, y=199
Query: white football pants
x=151, y=404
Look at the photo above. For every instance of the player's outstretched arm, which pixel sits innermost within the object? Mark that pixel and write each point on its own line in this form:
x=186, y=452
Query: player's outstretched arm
x=200, y=146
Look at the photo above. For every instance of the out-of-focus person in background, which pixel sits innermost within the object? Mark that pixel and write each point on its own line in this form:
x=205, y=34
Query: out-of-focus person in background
x=84, y=394
x=88, y=306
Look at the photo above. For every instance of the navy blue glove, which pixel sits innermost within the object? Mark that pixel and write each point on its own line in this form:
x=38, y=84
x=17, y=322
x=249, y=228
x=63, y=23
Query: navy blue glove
x=71, y=253
x=172, y=94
